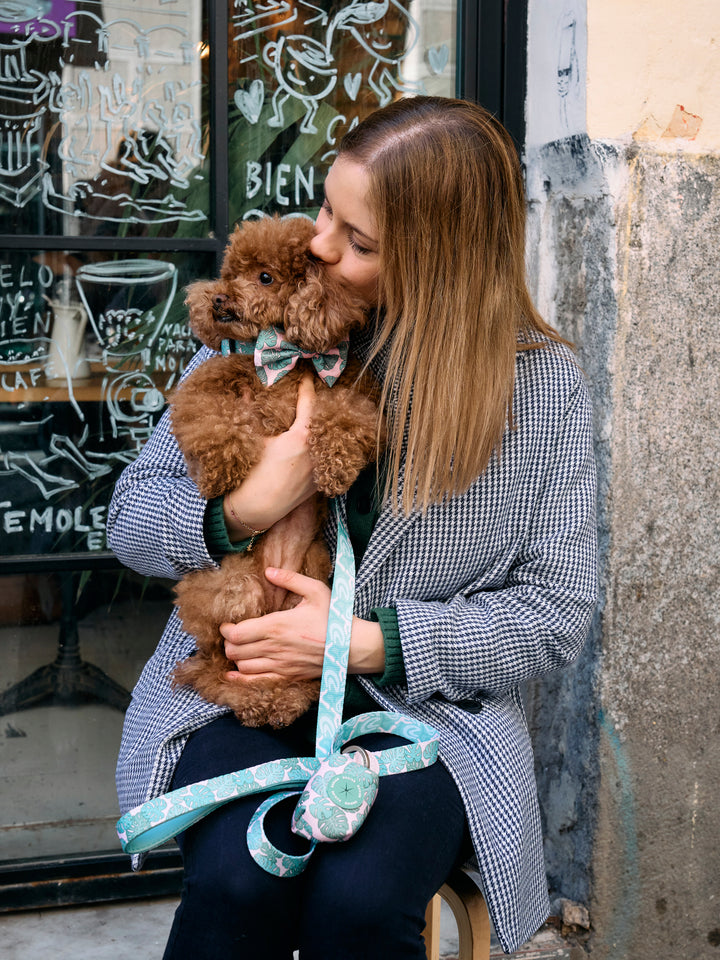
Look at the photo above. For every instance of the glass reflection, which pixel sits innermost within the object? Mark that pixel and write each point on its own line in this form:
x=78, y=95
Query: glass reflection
x=101, y=118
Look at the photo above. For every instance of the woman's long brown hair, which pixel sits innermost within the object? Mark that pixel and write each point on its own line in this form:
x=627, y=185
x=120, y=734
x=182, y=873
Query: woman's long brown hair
x=447, y=196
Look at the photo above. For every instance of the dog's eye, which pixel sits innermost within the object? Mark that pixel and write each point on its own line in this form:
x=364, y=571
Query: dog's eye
x=265, y=278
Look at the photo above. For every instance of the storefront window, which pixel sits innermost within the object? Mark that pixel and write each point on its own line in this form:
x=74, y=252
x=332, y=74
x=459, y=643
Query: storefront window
x=102, y=107
x=106, y=213
x=133, y=135
x=302, y=75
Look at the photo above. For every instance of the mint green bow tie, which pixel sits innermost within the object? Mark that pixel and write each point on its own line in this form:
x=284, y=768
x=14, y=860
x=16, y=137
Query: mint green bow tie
x=275, y=356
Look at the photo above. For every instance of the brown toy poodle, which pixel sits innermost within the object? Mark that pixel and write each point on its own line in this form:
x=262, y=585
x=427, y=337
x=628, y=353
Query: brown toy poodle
x=220, y=415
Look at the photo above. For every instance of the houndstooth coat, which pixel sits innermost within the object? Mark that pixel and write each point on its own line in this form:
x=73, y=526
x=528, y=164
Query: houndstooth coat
x=494, y=587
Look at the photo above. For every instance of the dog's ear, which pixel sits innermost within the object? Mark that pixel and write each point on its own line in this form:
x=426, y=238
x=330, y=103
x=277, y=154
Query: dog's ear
x=321, y=312
x=305, y=317
x=200, y=312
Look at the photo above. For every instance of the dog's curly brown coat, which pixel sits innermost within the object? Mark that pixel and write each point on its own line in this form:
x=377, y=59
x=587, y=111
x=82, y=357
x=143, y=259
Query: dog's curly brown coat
x=220, y=415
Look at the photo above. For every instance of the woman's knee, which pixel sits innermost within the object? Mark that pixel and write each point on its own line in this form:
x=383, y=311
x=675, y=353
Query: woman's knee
x=238, y=891
x=370, y=921
x=242, y=904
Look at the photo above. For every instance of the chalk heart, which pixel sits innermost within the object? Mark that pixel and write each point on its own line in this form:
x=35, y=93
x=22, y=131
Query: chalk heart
x=250, y=102
x=352, y=84
x=438, y=58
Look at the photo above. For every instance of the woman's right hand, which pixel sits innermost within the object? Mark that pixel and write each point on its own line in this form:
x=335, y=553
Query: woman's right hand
x=280, y=481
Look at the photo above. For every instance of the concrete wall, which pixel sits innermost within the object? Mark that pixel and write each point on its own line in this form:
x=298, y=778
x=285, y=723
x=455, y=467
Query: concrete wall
x=623, y=170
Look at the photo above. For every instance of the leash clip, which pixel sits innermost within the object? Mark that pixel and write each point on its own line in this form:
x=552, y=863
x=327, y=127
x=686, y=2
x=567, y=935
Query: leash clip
x=356, y=748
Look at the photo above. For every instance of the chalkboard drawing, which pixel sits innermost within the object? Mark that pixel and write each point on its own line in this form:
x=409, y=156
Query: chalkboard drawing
x=438, y=58
x=44, y=474
x=367, y=23
x=159, y=141
x=252, y=19
x=127, y=302
x=250, y=102
x=304, y=70
x=74, y=99
x=66, y=361
x=109, y=129
x=24, y=95
x=134, y=404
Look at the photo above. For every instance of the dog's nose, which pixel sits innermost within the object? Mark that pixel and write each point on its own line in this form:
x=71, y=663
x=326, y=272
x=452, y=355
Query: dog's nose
x=219, y=301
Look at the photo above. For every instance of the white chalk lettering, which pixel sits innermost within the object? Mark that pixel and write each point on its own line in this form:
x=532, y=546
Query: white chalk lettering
x=97, y=517
x=95, y=540
x=43, y=519
x=12, y=521
x=20, y=379
x=280, y=182
x=90, y=522
x=272, y=181
x=28, y=276
x=64, y=521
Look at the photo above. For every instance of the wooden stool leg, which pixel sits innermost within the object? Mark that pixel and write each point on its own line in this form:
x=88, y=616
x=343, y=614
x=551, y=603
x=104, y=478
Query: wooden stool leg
x=431, y=932
x=470, y=910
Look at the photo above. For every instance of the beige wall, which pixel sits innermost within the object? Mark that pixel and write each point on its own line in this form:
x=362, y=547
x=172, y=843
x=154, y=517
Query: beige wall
x=645, y=58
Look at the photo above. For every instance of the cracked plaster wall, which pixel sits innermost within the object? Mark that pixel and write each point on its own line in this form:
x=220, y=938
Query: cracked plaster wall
x=623, y=259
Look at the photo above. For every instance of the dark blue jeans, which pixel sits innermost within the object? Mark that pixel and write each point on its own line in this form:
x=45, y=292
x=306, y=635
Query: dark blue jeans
x=363, y=899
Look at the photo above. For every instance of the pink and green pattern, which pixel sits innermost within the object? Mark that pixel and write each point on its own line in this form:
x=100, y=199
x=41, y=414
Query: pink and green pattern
x=336, y=789
x=275, y=356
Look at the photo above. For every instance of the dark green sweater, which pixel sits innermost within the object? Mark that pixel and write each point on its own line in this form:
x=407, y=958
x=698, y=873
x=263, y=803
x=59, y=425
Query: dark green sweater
x=362, y=514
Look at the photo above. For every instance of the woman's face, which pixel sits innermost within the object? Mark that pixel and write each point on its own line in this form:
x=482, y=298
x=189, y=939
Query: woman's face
x=346, y=237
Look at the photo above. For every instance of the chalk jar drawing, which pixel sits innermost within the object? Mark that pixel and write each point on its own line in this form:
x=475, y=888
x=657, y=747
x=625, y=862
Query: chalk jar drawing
x=127, y=302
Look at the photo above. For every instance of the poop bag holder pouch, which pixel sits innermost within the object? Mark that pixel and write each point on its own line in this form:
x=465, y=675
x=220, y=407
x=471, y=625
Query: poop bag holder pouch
x=338, y=796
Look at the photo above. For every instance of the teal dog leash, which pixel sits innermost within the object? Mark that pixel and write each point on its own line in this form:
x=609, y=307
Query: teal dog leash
x=336, y=787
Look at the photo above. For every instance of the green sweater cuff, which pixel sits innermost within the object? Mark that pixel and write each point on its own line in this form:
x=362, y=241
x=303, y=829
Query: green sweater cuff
x=394, y=664
x=216, y=535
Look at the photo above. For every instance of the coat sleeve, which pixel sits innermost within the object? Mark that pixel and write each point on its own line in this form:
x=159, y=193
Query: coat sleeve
x=490, y=637
x=155, y=520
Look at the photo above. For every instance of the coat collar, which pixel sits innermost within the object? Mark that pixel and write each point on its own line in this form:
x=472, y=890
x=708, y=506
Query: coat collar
x=388, y=533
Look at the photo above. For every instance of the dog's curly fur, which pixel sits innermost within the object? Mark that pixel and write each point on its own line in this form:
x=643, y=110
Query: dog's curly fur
x=220, y=415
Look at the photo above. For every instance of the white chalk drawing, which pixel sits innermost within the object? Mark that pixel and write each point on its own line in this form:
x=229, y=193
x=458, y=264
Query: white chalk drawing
x=303, y=69
x=24, y=96
x=101, y=113
x=251, y=19
x=117, y=310
x=365, y=23
x=124, y=97
x=116, y=88
x=303, y=61
x=250, y=102
x=127, y=302
x=438, y=58
x=352, y=82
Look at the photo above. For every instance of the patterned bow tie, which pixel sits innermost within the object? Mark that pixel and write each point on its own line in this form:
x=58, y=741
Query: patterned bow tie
x=275, y=356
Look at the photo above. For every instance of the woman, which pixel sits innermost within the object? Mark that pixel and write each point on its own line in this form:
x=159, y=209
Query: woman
x=477, y=564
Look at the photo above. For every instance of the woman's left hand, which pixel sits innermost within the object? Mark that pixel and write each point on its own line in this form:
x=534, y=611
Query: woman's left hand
x=290, y=644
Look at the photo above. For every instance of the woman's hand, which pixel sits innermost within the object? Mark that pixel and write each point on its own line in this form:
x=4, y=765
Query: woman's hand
x=290, y=644
x=280, y=481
